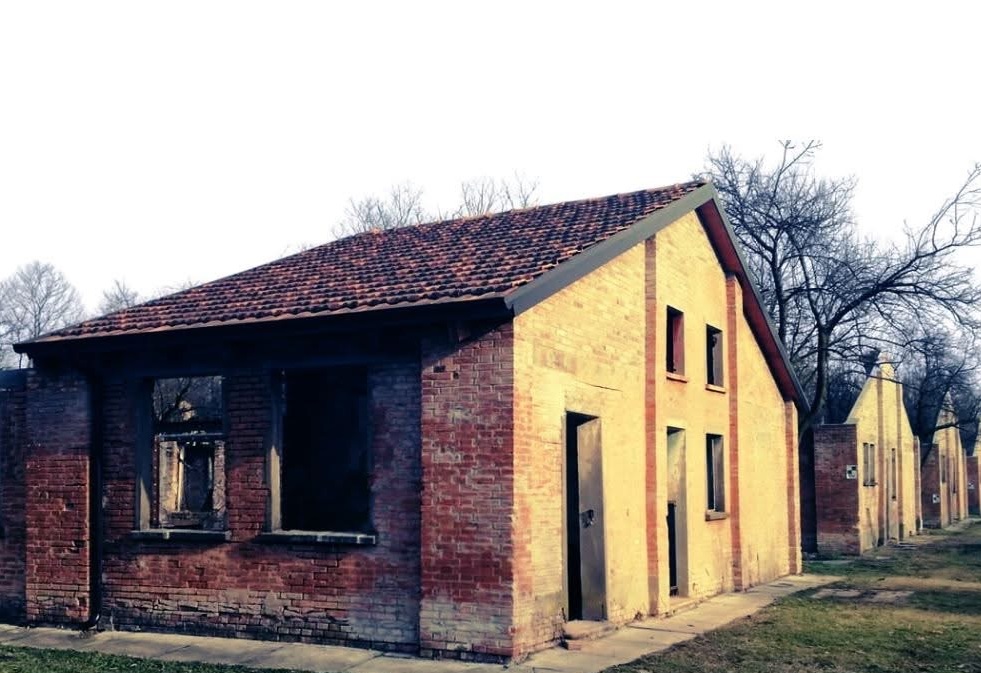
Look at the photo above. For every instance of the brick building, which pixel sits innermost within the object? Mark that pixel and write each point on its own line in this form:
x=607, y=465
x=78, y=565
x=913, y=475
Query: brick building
x=972, y=472
x=944, y=473
x=448, y=439
x=867, y=471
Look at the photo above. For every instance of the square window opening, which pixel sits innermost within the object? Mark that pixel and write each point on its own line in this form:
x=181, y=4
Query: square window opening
x=325, y=463
x=675, y=341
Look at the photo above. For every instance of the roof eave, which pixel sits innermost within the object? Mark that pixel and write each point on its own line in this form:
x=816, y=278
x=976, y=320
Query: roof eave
x=488, y=307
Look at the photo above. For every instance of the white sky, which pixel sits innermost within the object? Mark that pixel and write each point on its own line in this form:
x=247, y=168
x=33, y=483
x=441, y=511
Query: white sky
x=156, y=142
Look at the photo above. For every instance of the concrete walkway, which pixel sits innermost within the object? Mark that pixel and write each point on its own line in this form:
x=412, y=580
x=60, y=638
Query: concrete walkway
x=626, y=644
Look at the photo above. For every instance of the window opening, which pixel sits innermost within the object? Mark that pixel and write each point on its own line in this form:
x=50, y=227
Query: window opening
x=676, y=341
x=188, y=454
x=713, y=355
x=325, y=459
x=715, y=473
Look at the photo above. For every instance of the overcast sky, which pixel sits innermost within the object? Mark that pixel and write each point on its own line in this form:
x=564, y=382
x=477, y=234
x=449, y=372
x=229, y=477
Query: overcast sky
x=159, y=142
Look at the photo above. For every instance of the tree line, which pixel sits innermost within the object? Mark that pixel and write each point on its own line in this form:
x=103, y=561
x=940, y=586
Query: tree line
x=839, y=300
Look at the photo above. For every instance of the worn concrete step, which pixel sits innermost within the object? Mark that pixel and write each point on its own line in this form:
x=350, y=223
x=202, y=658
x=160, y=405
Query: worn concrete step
x=578, y=632
x=682, y=604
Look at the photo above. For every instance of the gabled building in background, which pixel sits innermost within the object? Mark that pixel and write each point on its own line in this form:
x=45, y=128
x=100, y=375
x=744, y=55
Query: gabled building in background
x=867, y=471
x=944, y=473
x=449, y=439
x=972, y=471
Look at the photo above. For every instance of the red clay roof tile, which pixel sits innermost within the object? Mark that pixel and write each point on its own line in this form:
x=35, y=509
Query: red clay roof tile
x=467, y=258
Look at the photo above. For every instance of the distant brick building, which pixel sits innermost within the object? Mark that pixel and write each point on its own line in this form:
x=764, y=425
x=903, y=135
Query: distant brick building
x=944, y=491
x=973, y=475
x=867, y=471
x=447, y=439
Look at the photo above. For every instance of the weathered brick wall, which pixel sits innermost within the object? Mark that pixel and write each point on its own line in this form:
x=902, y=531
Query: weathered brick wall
x=930, y=489
x=690, y=279
x=951, y=491
x=838, y=499
x=973, y=474
x=581, y=350
x=12, y=494
x=57, y=443
x=909, y=454
x=960, y=497
x=882, y=512
x=364, y=596
x=767, y=460
x=468, y=551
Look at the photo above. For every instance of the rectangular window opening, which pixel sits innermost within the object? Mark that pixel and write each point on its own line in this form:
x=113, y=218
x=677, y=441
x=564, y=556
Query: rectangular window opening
x=325, y=469
x=868, y=464
x=894, y=475
x=188, y=458
x=715, y=473
x=676, y=341
x=713, y=355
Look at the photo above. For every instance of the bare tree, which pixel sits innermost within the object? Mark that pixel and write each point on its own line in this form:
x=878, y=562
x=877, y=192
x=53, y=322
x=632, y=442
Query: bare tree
x=481, y=196
x=941, y=370
x=829, y=290
x=118, y=297
x=35, y=300
x=403, y=206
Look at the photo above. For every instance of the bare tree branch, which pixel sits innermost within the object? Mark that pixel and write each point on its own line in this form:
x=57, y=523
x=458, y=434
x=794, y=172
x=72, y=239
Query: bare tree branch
x=35, y=300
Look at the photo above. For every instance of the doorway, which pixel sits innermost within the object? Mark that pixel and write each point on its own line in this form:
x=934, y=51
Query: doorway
x=586, y=549
x=677, y=518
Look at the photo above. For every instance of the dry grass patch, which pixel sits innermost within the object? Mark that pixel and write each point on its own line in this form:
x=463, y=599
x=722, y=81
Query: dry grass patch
x=915, y=608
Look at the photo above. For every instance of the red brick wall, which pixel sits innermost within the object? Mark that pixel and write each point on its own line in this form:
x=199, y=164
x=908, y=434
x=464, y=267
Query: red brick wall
x=354, y=595
x=12, y=493
x=972, y=464
x=837, y=502
x=57, y=440
x=468, y=496
x=931, y=495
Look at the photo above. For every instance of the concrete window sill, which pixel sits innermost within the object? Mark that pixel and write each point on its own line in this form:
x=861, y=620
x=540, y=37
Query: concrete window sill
x=711, y=515
x=672, y=376
x=714, y=388
x=318, y=537
x=181, y=535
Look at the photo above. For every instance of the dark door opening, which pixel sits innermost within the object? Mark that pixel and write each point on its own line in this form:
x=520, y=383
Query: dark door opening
x=585, y=553
x=672, y=550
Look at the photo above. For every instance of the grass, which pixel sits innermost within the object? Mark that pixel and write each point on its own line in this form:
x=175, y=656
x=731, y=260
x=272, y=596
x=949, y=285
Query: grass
x=935, y=628
x=28, y=660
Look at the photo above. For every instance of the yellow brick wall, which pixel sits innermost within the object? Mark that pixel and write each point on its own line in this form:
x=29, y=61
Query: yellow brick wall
x=953, y=493
x=763, y=463
x=581, y=350
x=690, y=279
x=590, y=349
x=880, y=419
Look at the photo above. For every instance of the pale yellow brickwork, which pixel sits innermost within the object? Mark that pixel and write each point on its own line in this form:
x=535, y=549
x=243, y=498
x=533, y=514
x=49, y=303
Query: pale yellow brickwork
x=582, y=350
x=885, y=512
x=589, y=349
x=690, y=279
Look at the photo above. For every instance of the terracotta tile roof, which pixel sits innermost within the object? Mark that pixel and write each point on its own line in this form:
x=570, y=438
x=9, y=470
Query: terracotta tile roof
x=455, y=260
